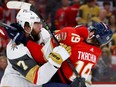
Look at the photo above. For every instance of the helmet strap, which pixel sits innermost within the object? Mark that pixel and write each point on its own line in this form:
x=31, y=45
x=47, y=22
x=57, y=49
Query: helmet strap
x=91, y=37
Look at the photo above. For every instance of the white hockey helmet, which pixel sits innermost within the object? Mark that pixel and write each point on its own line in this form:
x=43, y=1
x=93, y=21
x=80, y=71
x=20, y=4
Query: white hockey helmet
x=24, y=16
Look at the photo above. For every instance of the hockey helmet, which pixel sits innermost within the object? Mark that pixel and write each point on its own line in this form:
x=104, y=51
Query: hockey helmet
x=27, y=17
x=102, y=32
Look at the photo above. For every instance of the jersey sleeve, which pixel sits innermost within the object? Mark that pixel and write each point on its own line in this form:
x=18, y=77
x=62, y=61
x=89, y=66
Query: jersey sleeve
x=72, y=36
x=82, y=31
x=36, y=52
x=44, y=34
x=22, y=61
x=67, y=36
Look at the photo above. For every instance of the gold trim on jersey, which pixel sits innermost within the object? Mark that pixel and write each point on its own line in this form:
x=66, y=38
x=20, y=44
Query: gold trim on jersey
x=32, y=73
x=56, y=57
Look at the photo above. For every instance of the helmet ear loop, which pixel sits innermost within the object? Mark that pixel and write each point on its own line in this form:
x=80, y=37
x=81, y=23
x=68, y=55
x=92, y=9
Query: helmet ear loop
x=31, y=27
x=26, y=26
x=30, y=33
x=91, y=36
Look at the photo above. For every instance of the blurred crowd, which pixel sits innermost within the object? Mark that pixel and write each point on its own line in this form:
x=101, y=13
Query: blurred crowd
x=61, y=13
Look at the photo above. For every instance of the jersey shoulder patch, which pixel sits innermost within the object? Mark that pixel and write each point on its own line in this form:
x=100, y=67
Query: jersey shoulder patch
x=14, y=51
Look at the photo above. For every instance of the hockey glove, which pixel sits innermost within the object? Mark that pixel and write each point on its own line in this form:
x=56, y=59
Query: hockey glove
x=59, y=55
x=11, y=32
x=68, y=48
x=17, y=26
x=20, y=38
x=78, y=82
x=17, y=35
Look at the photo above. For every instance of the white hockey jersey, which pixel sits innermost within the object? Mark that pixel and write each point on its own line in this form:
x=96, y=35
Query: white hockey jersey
x=21, y=66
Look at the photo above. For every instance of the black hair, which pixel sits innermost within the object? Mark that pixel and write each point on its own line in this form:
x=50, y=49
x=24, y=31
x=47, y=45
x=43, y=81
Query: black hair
x=26, y=24
x=95, y=42
x=106, y=3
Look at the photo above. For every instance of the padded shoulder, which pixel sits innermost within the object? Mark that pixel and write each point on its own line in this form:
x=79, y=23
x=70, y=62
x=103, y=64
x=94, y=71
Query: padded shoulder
x=15, y=51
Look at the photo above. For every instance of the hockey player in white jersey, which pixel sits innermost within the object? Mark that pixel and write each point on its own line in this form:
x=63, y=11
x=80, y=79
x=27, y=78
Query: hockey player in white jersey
x=22, y=70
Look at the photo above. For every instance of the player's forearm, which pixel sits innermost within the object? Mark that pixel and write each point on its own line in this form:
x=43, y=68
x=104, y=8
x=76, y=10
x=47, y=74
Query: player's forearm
x=45, y=73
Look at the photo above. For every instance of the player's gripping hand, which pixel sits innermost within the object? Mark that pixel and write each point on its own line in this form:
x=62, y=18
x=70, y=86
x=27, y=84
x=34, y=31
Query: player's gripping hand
x=59, y=55
x=18, y=35
x=68, y=48
x=20, y=38
x=11, y=32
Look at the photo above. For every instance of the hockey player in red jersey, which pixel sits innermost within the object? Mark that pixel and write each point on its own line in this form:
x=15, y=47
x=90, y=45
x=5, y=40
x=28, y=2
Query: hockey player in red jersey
x=85, y=44
x=84, y=56
x=85, y=51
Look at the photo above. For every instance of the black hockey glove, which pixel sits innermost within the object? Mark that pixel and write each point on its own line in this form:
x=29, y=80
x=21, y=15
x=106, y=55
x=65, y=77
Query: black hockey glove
x=17, y=26
x=20, y=38
x=11, y=32
x=17, y=35
x=78, y=82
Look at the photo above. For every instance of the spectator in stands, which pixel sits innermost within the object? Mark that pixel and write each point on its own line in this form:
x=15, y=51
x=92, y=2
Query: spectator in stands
x=114, y=11
x=3, y=64
x=106, y=5
x=3, y=41
x=1, y=14
x=51, y=7
x=104, y=65
x=71, y=13
x=114, y=38
x=87, y=11
x=60, y=14
x=9, y=15
x=112, y=23
x=100, y=18
x=113, y=50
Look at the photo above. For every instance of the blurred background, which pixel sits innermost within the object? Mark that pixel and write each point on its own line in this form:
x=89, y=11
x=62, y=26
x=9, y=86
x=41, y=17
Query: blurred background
x=61, y=13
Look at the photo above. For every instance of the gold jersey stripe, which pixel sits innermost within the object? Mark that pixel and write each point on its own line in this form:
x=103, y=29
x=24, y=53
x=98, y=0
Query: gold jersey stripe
x=32, y=73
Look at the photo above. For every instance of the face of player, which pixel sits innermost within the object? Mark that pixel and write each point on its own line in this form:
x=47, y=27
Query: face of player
x=36, y=29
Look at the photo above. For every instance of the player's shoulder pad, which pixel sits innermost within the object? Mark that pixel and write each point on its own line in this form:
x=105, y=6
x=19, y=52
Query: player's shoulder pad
x=16, y=51
x=82, y=31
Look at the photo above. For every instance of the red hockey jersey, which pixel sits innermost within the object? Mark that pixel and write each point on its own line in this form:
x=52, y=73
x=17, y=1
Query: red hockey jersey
x=84, y=56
